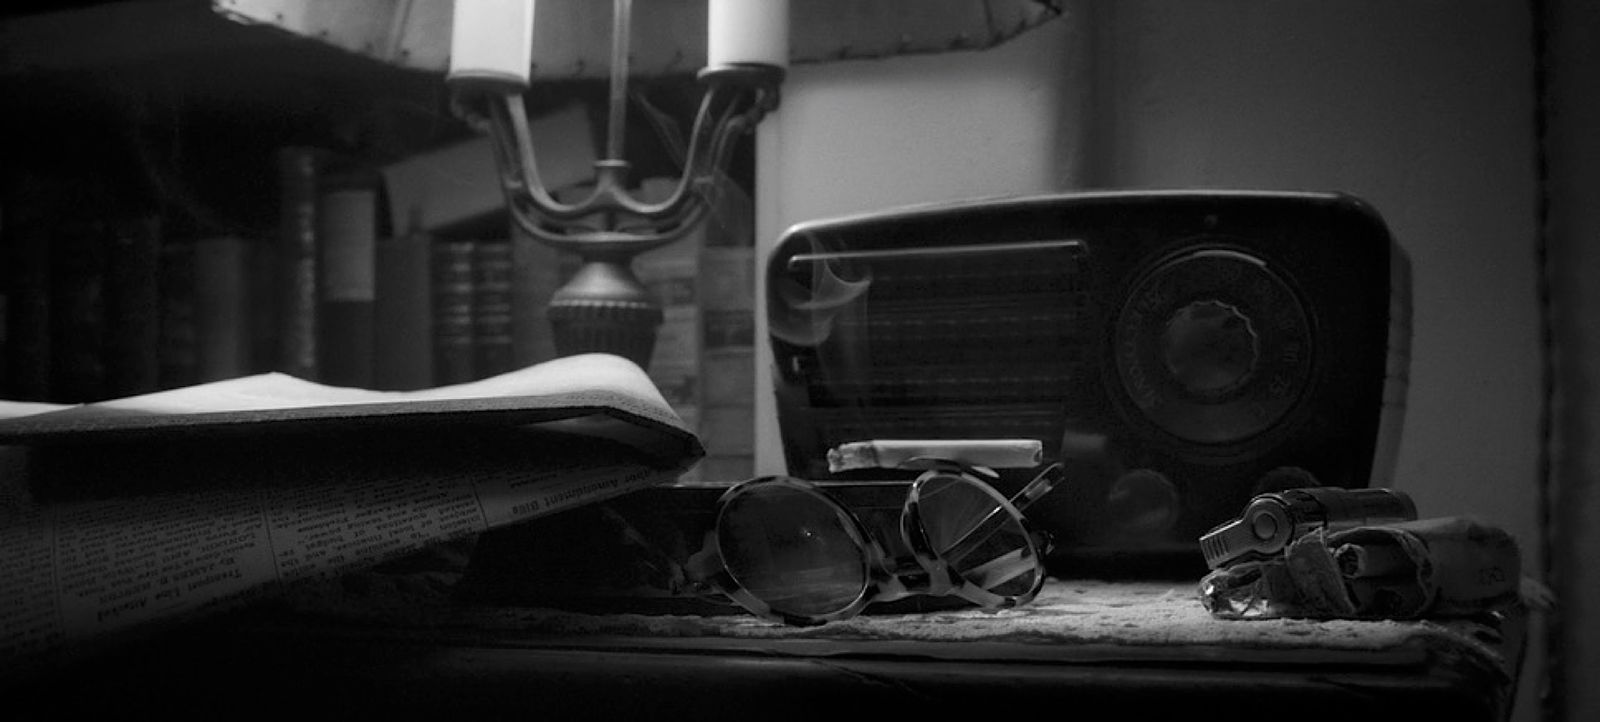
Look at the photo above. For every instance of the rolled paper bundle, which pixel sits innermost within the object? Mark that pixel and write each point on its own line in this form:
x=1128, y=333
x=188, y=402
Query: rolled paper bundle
x=1361, y=561
x=897, y=453
x=1458, y=565
x=1392, y=596
x=1439, y=567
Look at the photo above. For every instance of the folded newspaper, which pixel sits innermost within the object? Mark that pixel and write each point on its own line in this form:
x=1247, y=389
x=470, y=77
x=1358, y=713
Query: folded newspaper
x=116, y=516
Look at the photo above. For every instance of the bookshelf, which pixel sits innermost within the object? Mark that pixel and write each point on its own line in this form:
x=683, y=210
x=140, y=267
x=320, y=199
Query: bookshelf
x=180, y=194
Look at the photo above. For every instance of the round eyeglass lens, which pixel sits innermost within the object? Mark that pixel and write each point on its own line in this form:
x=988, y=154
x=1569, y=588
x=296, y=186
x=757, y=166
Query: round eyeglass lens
x=970, y=529
x=793, y=549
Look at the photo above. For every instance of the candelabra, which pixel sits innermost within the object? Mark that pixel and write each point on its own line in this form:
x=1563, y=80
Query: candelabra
x=604, y=307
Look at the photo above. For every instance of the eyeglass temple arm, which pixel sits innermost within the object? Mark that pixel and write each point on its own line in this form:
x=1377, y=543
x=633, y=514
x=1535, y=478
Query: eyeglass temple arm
x=1000, y=570
x=677, y=577
x=1041, y=485
x=692, y=577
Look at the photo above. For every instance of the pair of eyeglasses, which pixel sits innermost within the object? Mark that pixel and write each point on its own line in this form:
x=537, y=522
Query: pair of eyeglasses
x=786, y=550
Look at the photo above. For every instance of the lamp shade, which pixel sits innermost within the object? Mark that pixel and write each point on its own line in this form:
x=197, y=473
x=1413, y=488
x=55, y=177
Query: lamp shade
x=572, y=38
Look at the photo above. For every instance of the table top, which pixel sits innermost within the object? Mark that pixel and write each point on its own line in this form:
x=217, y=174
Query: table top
x=1072, y=620
x=388, y=645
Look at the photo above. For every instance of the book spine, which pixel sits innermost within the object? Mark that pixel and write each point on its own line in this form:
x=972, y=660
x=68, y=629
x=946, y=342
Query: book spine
x=403, y=311
x=670, y=273
x=77, y=321
x=177, y=346
x=346, y=235
x=222, y=307
x=5, y=293
x=452, y=312
x=27, y=271
x=5, y=335
x=266, y=327
x=493, y=351
x=727, y=357
x=536, y=273
x=727, y=347
x=298, y=169
x=133, y=306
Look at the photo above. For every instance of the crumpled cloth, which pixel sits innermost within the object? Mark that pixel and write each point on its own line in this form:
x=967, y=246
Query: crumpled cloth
x=1439, y=567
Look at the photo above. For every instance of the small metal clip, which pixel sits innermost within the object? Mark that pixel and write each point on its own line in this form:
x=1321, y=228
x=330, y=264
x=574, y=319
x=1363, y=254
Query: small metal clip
x=1270, y=522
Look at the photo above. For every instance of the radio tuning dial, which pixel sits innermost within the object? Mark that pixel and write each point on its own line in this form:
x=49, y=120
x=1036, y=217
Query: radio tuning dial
x=1210, y=348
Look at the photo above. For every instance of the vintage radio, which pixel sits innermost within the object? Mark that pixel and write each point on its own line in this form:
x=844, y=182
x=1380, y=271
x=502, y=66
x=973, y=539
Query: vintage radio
x=1179, y=351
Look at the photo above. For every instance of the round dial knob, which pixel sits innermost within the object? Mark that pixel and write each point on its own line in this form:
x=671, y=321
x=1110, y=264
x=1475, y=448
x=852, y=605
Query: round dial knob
x=1210, y=348
x=1143, y=502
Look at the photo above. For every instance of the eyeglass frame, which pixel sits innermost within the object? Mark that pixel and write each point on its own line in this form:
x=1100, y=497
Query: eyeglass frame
x=886, y=578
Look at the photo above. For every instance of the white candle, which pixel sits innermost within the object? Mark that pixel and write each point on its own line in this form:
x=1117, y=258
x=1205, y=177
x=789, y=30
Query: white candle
x=748, y=31
x=491, y=41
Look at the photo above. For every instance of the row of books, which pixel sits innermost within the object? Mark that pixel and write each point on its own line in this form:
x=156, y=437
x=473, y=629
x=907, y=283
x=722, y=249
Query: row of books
x=703, y=360
x=349, y=291
x=97, y=309
x=99, y=300
x=82, y=310
x=391, y=311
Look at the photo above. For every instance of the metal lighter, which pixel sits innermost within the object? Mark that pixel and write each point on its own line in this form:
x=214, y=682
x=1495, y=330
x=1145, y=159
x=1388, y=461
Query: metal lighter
x=1271, y=521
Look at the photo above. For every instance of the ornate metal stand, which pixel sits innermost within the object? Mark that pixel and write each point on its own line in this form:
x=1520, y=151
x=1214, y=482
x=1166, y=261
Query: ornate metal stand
x=605, y=307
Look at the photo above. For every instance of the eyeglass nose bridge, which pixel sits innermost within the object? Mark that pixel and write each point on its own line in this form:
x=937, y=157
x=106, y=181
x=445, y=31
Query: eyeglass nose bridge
x=912, y=576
